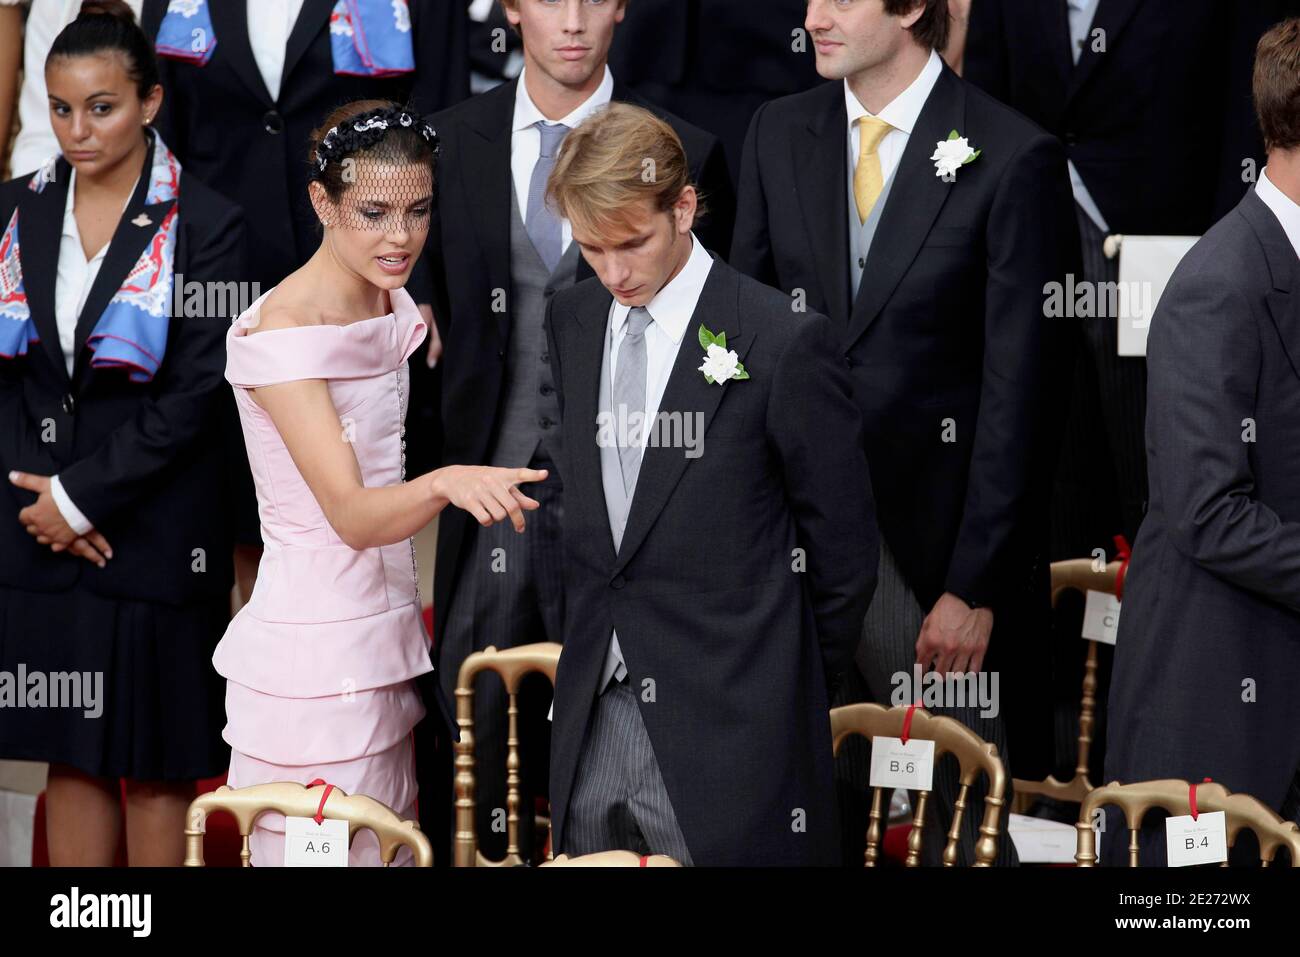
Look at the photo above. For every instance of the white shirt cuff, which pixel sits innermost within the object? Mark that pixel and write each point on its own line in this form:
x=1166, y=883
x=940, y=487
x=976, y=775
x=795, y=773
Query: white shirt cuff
x=71, y=514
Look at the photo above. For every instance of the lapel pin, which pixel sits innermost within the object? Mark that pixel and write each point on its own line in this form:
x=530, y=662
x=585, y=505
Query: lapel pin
x=142, y=220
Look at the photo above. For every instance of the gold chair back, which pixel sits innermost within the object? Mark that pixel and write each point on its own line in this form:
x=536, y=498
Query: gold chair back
x=1081, y=575
x=1240, y=811
x=512, y=665
x=292, y=799
x=975, y=756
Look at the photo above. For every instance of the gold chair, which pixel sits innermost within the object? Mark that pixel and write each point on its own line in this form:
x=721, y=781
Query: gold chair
x=292, y=799
x=1240, y=811
x=950, y=736
x=511, y=664
x=1081, y=575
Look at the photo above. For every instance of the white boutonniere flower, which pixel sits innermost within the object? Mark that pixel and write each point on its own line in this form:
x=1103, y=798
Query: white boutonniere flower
x=720, y=363
x=952, y=153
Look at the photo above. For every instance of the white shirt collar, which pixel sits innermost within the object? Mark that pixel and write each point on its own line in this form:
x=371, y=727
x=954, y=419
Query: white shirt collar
x=674, y=304
x=903, y=110
x=70, y=229
x=527, y=113
x=1282, y=206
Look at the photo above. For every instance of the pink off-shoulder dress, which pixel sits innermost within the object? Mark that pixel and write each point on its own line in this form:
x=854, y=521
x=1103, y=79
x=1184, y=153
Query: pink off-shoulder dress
x=319, y=665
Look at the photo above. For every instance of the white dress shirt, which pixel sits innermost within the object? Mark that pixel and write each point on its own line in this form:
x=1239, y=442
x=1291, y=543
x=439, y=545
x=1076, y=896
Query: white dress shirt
x=1081, y=14
x=75, y=276
x=901, y=114
x=35, y=142
x=526, y=140
x=670, y=312
x=269, y=24
x=1282, y=206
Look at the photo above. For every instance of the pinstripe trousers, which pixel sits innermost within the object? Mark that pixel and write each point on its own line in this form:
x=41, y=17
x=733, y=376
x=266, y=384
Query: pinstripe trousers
x=619, y=800
x=888, y=648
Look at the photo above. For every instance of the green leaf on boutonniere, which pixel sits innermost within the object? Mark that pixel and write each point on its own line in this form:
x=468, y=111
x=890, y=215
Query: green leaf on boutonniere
x=709, y=339
x=740, y=372
x=954, y=135
x=972, y=158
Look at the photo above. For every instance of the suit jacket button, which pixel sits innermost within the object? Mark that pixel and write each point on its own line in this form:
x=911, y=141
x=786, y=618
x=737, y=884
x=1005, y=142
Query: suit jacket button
x=69, y=404
x=546, y=357
x=618, y=582
x=273, y=123
x=546, y=390
x=544, y=422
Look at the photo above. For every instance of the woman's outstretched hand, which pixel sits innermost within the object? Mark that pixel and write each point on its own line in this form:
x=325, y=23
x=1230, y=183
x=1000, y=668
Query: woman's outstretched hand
x=489, y=494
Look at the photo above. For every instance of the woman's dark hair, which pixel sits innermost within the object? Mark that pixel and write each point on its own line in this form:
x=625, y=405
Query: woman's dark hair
x=388, y=131
x=104, y=25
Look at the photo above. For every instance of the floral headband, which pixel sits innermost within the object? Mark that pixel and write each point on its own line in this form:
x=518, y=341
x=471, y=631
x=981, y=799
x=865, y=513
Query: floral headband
x=363, y=131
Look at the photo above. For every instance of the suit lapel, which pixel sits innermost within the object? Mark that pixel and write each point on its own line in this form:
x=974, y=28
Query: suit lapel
x=686, y=392
x=1284, y=268
x=1057, y=49
x=822, y=195
x=485, y=166
x=40, y=232
x=914, y=201
x=129, y=242
x=584, y=475
x=312, y=19
x=1111, y=17
x=230, y=24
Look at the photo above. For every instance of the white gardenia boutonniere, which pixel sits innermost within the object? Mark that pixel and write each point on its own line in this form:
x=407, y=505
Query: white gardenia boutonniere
x=952, y=153
x=720, y=363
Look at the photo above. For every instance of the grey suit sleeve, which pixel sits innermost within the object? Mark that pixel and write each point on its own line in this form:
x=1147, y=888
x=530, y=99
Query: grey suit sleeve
x=816, y=430
x=1203, y=365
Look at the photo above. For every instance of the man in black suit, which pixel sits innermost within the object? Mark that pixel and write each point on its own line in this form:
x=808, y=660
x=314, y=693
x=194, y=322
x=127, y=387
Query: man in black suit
x=933, y=274
x=496, y=253
x=1207, y=656
x=714, y=62
x=718, y=529
x=1066, y=64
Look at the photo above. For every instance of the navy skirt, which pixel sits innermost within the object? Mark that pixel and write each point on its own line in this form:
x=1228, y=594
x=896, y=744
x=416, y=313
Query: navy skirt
x=114, y=687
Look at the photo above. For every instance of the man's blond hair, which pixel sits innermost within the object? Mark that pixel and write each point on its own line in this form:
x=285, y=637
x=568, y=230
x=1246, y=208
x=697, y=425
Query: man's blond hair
x=618, y=157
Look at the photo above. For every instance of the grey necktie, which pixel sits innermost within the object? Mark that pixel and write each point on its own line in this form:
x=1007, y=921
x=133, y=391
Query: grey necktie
x=543, y=225
x=629, y=393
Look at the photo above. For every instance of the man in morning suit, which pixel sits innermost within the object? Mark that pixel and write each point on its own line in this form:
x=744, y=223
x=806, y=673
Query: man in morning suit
x=935, y=286
x=1208, y=652
x=719, y=532
x=497, y=252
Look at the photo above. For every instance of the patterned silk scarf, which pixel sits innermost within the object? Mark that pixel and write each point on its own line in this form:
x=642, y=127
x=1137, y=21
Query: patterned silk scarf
x=131, y=333
x=367, y=37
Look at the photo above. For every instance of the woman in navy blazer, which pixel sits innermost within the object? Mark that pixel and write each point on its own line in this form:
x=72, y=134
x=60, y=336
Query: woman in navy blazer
x=115, y=558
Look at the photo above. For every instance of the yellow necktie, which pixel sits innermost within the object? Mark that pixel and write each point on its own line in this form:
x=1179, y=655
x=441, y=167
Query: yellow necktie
x=868, y=179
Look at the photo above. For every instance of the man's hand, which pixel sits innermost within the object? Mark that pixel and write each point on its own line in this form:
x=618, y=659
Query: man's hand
x=46, y=524
x=435, y=340
x=954, y=636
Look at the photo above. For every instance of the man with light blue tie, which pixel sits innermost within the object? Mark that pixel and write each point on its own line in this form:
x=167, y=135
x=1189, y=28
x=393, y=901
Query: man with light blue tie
x=496, y=254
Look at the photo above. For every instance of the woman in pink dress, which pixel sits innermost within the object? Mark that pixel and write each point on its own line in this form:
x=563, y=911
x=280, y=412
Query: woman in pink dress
x=319, y=665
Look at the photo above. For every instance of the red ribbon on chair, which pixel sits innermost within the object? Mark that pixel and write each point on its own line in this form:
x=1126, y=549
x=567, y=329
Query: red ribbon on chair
x=907, y=720
x=1123, y=553
x=320, y=811
x=1191, y=798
